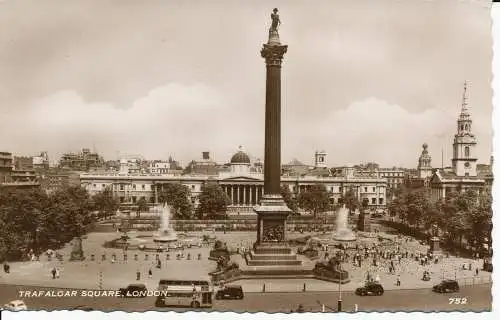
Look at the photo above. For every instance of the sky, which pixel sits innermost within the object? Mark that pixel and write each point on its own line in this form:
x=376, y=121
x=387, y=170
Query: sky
x=365, y=81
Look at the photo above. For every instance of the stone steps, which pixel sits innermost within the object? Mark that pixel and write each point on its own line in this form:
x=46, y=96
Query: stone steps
x=272, y=250
x=252, y=262
x=256, y=256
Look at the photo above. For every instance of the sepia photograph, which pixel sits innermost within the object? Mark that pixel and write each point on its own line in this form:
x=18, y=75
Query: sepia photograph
x=246, y=156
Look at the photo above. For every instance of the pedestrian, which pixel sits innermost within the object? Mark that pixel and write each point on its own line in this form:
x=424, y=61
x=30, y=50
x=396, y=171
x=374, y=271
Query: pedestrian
x=53, y=271
x=398, y=282
x=470, y=266
x=150, y=273
x=6, y=267
x=477, y=271
x=138, y=275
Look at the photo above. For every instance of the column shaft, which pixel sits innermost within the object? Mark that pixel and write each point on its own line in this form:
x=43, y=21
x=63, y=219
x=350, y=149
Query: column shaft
x=272, y=155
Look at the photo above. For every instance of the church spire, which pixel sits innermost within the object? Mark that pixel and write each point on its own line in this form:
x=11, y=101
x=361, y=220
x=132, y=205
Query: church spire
x=463, y=161
x=464, y=112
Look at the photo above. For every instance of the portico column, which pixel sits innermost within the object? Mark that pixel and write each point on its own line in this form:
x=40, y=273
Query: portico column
x=245, y=195
x=233, y=194
x=155, y=188
x=255, y=194
x=230, y=194
x=238, y=194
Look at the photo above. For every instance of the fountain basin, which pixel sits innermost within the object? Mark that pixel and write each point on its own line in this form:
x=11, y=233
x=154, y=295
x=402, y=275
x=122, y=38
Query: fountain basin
x=344, y=236
x=165, y=238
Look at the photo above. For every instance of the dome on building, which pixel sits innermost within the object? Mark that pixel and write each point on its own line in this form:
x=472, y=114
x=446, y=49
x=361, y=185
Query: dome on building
x=425, y=158
x=240, y=157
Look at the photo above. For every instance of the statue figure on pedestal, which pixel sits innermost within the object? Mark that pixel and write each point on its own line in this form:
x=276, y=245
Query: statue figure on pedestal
x=275, y=17
x=435, y=230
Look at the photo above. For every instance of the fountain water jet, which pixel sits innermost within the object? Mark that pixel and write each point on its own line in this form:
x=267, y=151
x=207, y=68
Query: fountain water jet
x=343, y=232
x=165, y=232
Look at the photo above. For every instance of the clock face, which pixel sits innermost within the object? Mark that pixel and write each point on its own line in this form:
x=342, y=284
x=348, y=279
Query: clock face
x=467, y=164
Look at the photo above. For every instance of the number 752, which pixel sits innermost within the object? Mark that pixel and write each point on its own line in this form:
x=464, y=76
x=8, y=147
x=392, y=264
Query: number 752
x=457, y=300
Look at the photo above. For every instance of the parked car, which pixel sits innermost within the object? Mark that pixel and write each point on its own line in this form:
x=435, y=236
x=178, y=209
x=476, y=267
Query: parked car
x=15, y=305
x=371, y=288
x=230, y=292
x=446, y=286
x=134, y=291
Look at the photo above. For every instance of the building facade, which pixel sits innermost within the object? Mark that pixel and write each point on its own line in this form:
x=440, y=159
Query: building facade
x=242, y=184
x=6, y=165
x=11, y=177
x=53, y=179
x=82, y=161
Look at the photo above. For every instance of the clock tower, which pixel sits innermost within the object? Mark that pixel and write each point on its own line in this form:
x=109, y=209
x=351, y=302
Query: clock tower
x=464, y=143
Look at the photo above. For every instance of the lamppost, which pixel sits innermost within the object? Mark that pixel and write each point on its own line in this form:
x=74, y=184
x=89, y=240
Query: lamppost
x=37, y=246
x=339, y=302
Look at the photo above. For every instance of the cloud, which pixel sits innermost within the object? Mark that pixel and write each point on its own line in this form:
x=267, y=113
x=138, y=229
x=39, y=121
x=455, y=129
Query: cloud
x=174, y=118
x=184, y=120
x=376, y=130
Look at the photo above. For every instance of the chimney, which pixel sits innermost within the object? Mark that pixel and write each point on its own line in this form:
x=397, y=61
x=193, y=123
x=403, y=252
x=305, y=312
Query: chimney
x=206, y=155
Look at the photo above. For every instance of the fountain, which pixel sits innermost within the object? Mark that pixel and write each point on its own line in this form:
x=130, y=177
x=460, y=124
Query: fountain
x=343, y=232
x=165, y=232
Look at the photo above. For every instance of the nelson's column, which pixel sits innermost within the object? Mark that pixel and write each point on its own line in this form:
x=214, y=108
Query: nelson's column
x=271, y=248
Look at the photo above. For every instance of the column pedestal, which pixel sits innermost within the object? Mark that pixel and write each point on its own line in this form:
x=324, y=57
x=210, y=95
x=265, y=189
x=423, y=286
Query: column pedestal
x=271, y=247
x=435, y=249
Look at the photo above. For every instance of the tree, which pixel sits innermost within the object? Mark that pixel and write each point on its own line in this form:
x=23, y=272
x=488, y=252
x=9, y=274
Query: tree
x=480, y=220
x=350, y=200
x=32, y=220
x=105, y=203
x=455, y=209
x=74, y=208
x=177, y=196
x=315, y=199
x=142, y=206
x=418, y=205
x=289, y=198
x=213, y=201
x=20, y=216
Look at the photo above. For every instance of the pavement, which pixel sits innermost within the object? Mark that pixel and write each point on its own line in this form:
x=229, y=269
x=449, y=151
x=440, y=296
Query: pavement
x=97, y=274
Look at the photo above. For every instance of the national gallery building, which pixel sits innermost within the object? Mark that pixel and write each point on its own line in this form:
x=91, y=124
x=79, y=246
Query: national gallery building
x=242, y=182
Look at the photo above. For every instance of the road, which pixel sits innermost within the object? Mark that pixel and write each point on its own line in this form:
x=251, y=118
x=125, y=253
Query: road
x=478, y=298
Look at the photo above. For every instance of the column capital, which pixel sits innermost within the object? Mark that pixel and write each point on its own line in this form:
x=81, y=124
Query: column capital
x=273, y=54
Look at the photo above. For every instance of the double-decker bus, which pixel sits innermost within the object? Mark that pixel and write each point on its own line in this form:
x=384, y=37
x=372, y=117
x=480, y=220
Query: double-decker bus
x=194, y=293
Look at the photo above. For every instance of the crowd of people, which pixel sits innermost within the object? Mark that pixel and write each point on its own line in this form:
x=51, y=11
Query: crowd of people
x=401, y=256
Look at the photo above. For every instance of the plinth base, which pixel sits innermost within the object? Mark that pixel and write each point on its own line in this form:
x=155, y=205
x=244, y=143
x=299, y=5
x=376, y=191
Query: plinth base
x=435, y=248
x=77, y=256
x=266, y=254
